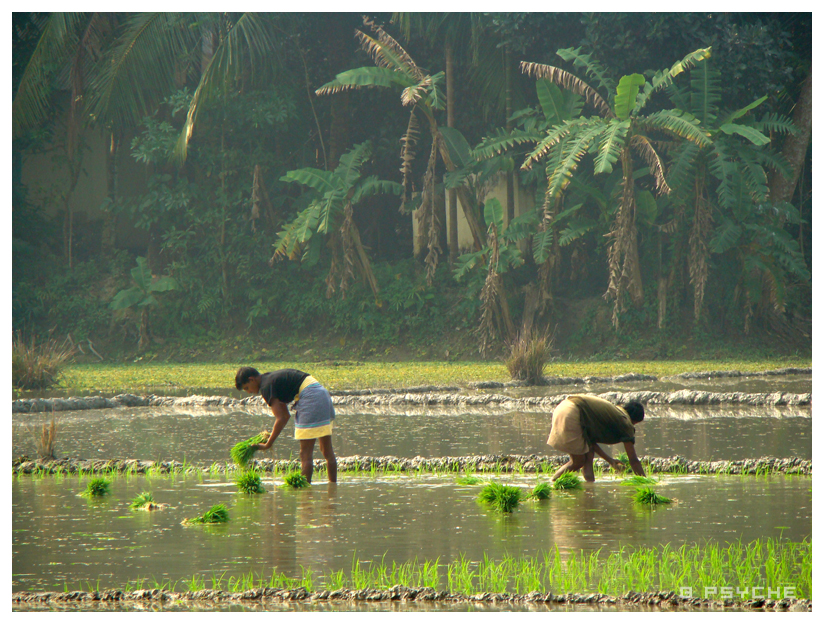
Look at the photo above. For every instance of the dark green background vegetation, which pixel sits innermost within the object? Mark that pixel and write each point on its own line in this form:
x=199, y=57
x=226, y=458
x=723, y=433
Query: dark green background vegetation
x=211, y=222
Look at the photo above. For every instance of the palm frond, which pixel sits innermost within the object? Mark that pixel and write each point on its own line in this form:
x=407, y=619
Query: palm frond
x=611, y=145
x=298, y=231
x=557, y=105
x=363, y=77
x=665, y=77
x=501, y=140
x=318, y=179
x=774, y=161
x=247, y=43
x=642, y=145
x=679, y=123
x=682, y=165
x=705, y=93
x=774, y=122
x=576, y=229
x=725, y=236
x=554, y=136
x=371, y=185
x=626, y=92
x=350, y=163
x=753, y=175
x=568, y=81
x=408, y=142
x=387, y=52
x=31, y=102
x=744, y=110
x=573, y=149
x=592, y=68
x=751, y=134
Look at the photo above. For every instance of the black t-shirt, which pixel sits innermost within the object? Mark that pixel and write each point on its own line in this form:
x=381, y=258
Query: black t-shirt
x=282, y=384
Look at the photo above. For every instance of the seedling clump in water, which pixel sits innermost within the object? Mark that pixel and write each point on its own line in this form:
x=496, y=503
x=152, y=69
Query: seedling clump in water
x=639, y=480
x=216, y=514
x=541, y=491
x=295, y=479
x=501, y=497
x=242, y=452
x=468, y=480
x=141, y=500
x=646, y=495
x=249, y=482
x=97, y=487
x=567, y=481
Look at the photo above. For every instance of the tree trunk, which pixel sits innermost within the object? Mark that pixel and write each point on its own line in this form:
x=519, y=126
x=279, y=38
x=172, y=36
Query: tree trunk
x=339, y=128
x=108, y=234
x=452, y=197
x=795, y=147
x=508, y=111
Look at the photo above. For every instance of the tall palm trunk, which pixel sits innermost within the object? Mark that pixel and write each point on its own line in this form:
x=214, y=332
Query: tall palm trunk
x=795, y=147
x=508, y=112
x=452, y=197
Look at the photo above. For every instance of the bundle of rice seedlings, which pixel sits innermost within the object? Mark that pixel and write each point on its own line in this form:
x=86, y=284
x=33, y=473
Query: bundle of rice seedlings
x=501, y=497
x=646, y=495
x=216, y=514
x=141, y=500
x=541, y=491
x=468, y=480
x=97, y=487
x=241, y=453
x=639, y=480
x=295, y=479
x=249, y=482
x=567, y=481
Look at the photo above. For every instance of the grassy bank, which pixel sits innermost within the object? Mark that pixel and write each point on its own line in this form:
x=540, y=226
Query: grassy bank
x=158, y=377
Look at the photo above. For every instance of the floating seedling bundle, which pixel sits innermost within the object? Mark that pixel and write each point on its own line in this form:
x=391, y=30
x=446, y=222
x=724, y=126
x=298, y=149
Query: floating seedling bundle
x=97, y=487
x=241, y=453
x=501, y=497
x=142, y=500
x=640, y=480
x=646, y=495
x=541, y=490
x=295, y=479
x=567, y=481
x=215, y=514
x=249, y=482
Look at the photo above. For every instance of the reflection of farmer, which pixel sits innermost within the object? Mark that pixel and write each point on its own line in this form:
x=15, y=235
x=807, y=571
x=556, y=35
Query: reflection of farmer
x=581, y=422
x=313, y=411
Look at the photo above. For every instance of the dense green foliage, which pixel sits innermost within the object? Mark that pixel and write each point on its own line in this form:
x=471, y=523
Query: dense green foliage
x=248, y=145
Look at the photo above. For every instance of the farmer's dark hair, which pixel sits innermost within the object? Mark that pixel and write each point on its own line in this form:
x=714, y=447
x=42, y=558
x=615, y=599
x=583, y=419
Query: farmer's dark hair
x=635, y=411
x=243, y=376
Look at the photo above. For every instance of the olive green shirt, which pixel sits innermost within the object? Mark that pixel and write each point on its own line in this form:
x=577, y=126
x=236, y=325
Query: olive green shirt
x=602, y=421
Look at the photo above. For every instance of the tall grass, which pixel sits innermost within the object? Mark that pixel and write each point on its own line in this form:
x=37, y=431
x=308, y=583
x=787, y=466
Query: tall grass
x=527, y=356
x=46, y=440
x=38, y=366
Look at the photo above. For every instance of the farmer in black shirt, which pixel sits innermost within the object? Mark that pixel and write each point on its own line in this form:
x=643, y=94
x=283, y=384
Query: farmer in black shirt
x=314, y=412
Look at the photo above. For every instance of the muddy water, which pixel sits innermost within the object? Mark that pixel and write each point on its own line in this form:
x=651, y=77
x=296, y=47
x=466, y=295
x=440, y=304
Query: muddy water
x=59, y=537
x=205, y=435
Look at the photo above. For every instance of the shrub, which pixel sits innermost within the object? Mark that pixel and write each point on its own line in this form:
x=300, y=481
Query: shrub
x=501, y=497
x=38, y=367
x=527, y=356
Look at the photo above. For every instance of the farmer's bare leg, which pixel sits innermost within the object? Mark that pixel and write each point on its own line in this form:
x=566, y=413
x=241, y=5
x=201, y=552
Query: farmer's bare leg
x=587, y=469
x=307, y=445
x=575, y=463
x=325, y=442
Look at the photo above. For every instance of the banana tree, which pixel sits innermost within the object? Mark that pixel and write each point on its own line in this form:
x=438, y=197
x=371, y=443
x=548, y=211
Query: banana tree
x=727, y=184
x=620, y=133
x=331, y=198
x=421, y=93
x=142, y=295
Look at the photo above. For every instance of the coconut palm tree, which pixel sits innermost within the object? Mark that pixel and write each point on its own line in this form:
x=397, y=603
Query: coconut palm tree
x=620, y=133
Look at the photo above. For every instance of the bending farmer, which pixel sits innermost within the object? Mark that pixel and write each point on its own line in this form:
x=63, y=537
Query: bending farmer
x=314, y=412
x=581, y=422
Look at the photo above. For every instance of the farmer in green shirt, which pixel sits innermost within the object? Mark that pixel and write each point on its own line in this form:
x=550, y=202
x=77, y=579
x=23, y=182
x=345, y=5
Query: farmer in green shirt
x=581, y=422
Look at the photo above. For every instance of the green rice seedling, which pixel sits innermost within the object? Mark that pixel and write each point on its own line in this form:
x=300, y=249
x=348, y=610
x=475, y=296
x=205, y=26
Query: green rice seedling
x=249, y=482
x=639, y=480
x=646, y=495
x=295, y=479
x=541, y=490
x=141, y=500
x=97, y=487
x=568, y=481
x=468, y=480
x=216, y=514
x=242, y=452
x=501, y=497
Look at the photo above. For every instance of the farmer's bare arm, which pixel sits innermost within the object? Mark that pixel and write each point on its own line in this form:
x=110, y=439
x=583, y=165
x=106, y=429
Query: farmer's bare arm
x=603, y=454
x=281, y=412
x=635, y=463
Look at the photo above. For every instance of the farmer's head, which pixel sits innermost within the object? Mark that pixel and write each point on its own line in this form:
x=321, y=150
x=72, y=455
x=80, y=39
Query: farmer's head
x=248, y=379
x=635, y=411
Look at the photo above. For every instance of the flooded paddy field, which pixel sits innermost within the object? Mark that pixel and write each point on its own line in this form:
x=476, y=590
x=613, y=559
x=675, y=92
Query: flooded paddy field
x=61, y=540
x=205, y=435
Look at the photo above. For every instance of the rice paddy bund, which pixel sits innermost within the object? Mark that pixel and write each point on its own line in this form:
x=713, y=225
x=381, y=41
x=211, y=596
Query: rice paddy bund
x=496, y=525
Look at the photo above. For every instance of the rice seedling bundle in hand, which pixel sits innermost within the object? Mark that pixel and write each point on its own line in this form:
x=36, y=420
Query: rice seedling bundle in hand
x=215, y=514
x=241, y=453
x=249, y=482
x=97, y=487
x=295, y=479
x=568, y=481
x=646, y=495
x=501, y=497
x=541, y=490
